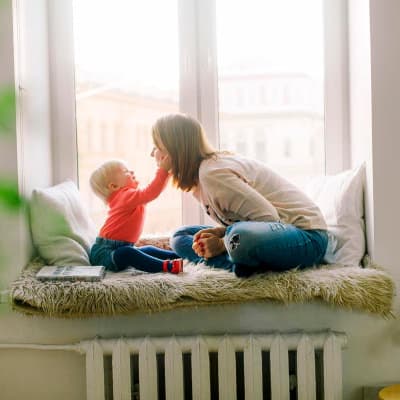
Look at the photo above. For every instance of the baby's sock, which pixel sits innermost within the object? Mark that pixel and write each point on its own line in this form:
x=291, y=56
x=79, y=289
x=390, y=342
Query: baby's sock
x=173, y=266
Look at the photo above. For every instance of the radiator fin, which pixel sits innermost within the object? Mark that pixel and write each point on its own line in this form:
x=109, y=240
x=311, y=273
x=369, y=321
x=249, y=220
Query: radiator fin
x=332, y=369
x=306, y=387
x=279, y=369
x=200, y=370
x=253, y=370
x=173, y=371
x=226, y=370
x=95, y=372
x=121, y=365
x=148, y=385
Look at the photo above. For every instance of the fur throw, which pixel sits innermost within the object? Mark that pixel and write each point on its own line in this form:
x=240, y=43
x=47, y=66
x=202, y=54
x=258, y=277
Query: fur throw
x=367, y=289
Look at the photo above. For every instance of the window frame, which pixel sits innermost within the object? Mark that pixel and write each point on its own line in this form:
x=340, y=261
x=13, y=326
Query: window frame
x=198, y=85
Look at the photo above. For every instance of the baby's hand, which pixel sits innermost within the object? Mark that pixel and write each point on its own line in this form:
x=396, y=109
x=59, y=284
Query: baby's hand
x=165, y=163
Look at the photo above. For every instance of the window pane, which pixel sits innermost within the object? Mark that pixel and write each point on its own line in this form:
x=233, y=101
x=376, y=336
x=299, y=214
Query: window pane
x=127, y=75
x=270, y=79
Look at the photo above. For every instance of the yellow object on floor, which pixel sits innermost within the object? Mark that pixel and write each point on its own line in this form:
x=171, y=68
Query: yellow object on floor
x=390, y=393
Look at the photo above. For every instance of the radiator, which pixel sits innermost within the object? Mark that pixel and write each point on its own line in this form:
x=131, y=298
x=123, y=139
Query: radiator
x=260, y=366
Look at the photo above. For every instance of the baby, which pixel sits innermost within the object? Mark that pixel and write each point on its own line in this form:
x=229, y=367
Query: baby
x=115, y=246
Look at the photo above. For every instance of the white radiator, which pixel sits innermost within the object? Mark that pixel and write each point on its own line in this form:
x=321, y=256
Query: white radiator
x=252, y=367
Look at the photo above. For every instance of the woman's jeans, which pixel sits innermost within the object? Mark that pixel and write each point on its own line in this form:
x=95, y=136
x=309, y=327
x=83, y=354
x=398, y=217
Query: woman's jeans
x=117, y=255
x=258, y=247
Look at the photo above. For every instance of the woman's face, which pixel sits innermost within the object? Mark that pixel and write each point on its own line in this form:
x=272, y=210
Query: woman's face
x=158, y=152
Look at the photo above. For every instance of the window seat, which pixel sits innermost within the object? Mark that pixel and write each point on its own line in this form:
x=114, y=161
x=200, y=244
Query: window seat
x=367, y=289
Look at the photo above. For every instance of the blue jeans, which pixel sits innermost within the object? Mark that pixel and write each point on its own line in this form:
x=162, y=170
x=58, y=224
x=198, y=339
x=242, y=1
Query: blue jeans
x=258, y=247
x=117, y=255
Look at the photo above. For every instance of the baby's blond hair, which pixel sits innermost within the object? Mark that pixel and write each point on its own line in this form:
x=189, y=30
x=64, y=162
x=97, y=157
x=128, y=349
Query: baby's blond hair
x=101, y=177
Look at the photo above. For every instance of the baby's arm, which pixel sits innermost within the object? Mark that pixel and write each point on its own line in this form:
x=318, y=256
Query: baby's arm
x=136, y=197
x=154, y=188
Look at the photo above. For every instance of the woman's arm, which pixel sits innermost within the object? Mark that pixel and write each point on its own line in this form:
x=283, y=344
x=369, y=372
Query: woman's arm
x=230, y=193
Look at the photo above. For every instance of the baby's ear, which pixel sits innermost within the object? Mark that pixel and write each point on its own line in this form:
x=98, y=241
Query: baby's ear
x=112, y=186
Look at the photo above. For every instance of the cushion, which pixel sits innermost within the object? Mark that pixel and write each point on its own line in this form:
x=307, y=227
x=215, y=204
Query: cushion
x=340, y=198
x=62, y=230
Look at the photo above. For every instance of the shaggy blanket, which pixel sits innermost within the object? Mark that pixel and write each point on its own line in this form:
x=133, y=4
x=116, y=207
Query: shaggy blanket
x=367, y=289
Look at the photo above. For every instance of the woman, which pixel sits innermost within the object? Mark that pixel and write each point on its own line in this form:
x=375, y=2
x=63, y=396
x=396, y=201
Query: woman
x=266, y=223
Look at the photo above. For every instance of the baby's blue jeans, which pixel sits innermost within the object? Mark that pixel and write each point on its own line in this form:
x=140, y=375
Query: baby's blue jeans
x=258, y=247
x=117, y=255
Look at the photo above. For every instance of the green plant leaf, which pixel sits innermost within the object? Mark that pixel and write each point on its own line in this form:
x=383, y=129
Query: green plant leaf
x=9, y=195
x=7, y=110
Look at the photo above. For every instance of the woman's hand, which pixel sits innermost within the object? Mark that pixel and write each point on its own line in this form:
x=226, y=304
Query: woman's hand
x=218, y=231
x=208, y=244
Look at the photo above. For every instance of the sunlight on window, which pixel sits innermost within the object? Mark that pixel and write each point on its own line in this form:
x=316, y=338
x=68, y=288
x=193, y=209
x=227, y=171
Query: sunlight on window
x=270, y=78
x=127, y=75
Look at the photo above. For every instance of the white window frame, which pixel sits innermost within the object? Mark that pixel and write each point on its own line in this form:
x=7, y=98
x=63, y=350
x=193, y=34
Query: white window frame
x=198, y=84
x=62, y=90
x=337, y=124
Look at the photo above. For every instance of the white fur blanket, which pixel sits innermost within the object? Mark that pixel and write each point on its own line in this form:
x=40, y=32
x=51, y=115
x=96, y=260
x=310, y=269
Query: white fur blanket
x=366, y=289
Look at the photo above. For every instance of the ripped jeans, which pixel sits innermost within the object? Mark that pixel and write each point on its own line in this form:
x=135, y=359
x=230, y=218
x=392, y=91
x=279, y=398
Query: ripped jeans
x=258, y=247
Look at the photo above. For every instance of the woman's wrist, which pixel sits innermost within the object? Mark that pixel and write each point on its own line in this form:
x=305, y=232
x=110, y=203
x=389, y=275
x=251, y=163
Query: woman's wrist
x=221, y=247
x=220, y=231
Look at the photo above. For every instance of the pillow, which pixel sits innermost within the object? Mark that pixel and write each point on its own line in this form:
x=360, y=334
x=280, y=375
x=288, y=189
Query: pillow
x=62, y=230
x=340, y=198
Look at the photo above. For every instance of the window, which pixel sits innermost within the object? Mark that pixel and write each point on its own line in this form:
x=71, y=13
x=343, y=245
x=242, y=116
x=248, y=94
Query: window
x=126, y=76
x=251, y=66
x=274, y=45
x=261, y=150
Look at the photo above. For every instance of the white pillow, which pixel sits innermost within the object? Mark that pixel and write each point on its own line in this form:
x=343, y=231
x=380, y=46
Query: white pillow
x=62, y=230
x=340, y=198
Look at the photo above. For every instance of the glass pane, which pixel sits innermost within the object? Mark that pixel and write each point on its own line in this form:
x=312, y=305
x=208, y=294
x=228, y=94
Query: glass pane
x=126, y=67
x=270, y=69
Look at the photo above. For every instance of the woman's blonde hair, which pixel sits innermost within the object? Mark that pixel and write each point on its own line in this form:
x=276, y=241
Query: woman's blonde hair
x=101, y=177
x=186, y=142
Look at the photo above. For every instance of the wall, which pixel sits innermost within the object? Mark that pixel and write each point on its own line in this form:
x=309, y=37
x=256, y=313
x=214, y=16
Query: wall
x=370, y=358
x=373, y=350
x=385, y=90
x=374, y=62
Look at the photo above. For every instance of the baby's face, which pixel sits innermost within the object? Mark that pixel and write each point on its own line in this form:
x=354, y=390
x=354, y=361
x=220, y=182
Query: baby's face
x=122, y=177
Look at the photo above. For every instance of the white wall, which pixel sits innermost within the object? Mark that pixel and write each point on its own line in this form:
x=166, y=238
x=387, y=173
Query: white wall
x=385, y=90
x=373, y=350
x=374, y=61
x=370, y=358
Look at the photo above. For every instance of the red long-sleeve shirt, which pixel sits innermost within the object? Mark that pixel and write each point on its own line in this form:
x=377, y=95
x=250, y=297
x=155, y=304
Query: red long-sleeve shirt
x=127, y=209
